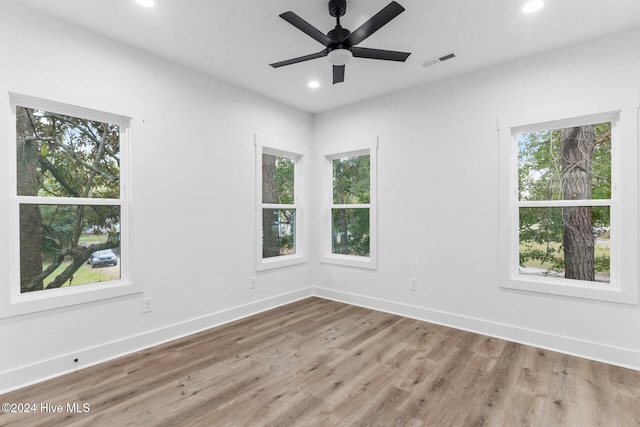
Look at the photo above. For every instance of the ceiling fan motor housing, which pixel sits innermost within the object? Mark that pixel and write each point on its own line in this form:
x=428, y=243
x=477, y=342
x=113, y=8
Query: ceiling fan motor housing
x=337, y=8
x=339, y=35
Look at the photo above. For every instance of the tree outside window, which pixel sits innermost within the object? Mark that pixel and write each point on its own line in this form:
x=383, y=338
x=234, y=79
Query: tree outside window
x=564, y=202
x=351, y=206
x=69, y=198
x=278, y=206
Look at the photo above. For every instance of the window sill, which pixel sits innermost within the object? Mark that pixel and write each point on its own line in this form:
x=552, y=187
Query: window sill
x=37, y=301
x=570, y=288
x=350, y=261
x=280, y=262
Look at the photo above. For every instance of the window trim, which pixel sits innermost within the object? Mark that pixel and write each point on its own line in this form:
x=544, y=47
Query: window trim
x=349, y=149
x=97, y=108
x=276, y=147
x=622, y=111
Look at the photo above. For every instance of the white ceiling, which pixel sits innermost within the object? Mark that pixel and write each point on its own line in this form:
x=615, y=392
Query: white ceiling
x=235, y=40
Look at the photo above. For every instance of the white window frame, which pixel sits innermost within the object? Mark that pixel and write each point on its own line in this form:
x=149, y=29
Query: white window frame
x=622, y=112
x=342, y=150
x=14, y=302
x=268, y=145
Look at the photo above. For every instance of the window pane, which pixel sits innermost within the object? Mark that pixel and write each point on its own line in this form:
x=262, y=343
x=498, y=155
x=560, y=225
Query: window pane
x=351, y=180
x=277, y=179
x=64, y=156
x=64, y=245
x=566, y=242
x=278, y=232
x=565, y=164
x=350, y=231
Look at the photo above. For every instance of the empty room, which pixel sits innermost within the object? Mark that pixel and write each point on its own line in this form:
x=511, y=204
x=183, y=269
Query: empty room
x=262, y=213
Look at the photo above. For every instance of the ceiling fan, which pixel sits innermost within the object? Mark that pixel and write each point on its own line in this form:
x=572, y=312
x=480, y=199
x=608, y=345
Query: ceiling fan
x=340, y=43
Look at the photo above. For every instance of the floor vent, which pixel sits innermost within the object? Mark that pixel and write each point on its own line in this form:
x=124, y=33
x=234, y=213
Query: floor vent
x=438, y=59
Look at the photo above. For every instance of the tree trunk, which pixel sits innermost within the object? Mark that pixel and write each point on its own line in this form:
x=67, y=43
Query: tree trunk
x=270, y=235
x=343, y=246
x=576, y=149
x=28, y=156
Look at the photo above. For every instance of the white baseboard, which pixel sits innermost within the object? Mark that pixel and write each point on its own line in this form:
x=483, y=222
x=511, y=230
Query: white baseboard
x=622, y=357
x=61, y=365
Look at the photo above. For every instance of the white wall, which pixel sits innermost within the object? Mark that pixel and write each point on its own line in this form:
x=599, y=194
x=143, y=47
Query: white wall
x=193, y=220
x=439, y=202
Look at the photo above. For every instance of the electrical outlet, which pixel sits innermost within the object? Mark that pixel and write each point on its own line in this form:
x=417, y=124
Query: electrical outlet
x=252, y=282
x=413, y=284
x=146, y=305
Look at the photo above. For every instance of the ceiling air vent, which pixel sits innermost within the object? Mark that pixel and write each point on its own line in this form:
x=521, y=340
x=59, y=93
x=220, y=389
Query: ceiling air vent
x=438, y=59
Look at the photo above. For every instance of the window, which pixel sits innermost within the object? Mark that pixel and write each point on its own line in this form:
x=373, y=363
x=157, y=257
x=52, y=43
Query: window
x=562, y=227
x=69, y=204
x=564, y=202
x=280, y=217
x=351, y=215
x=351, y=205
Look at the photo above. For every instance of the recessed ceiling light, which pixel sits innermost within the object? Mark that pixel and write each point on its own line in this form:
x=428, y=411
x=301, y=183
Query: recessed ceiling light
x=533, y=6
x=314, y=84
x=146, y=3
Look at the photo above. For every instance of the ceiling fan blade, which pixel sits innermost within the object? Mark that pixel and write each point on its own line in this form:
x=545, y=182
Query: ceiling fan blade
x=389, y=55
x=300, y=59
x=338, y=73
x=306, y=28
x=380, y=19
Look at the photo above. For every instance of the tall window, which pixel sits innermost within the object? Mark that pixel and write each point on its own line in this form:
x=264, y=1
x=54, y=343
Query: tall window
x=351, y=211
x=351, y=206
x=564, y=202
x=280, y=216
x=567, y=225
x=69, y=212
x=278, y=206
x=69, y=199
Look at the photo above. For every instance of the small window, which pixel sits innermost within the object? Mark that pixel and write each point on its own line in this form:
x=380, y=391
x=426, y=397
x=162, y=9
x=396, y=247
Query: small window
x=280, y=217
x=351, y=223
x=563, y=227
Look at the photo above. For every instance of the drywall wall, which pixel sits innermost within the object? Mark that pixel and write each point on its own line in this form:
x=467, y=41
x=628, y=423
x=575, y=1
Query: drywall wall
x=192, y=197
x=438, y=192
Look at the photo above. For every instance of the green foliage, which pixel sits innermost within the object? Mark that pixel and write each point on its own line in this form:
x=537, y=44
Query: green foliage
x=603, y=264
x=351, y=186
x=59, y=224
x=80, y=157
x=279, y=227
x=278, y=188
x=540, y=164
x=278, y=179
x=285, y=180
x=351, y=232
x=540, y=178
x=351, y=180
x=73, y=158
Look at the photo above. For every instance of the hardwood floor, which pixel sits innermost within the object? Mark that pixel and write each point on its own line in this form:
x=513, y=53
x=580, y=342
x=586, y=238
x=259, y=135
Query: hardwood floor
x=317, y=362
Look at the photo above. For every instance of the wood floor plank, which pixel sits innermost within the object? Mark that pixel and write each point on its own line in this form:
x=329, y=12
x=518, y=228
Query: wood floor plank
x=317, y=362
x=496, y=392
